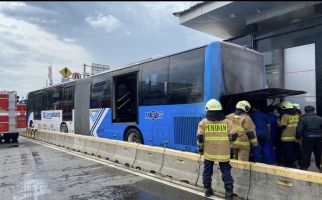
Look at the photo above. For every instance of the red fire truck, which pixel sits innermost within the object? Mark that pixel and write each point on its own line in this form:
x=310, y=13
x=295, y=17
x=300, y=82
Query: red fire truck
x=12, y=117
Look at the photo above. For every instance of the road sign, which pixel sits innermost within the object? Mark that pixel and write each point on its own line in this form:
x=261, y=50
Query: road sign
x=65, y=72
x=76, y=75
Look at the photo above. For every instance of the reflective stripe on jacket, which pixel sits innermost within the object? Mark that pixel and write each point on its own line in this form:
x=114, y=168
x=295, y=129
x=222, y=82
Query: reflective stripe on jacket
x=216, y=139
x=243, y=124
x=290, y=123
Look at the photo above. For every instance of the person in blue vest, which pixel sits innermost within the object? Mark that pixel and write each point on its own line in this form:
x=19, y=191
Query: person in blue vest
x=272, y=118
x=262, y=152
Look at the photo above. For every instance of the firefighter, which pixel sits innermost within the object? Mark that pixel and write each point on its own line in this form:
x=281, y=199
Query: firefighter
x=246, y=131
x=288, y=123
x=213, y=139
x=297, y=107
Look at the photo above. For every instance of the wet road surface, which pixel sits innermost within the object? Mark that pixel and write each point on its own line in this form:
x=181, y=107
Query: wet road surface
x=33, y=171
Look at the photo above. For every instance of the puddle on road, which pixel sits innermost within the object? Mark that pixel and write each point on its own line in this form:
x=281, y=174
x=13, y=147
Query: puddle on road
x=33, y=182
x=56, y=175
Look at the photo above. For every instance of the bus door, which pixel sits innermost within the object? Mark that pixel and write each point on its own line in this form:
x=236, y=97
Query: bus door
x=125, y=101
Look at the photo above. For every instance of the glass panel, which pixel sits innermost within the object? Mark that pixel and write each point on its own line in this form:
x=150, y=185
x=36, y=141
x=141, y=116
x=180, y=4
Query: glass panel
x=273, y=67
x=68, y=103
x=245, y=41
x=38, y=105
x=243, y=69
x=154, y=82
x=186, y=77
x=31, y=102
x=57, y=96
x=101, y=92
x=273, y=48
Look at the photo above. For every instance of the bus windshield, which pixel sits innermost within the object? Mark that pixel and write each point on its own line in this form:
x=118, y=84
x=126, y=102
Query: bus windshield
x=243, y=69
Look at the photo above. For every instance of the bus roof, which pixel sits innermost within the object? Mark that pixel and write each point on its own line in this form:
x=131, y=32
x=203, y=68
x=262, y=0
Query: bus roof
x=138, y=63
x=125, y=66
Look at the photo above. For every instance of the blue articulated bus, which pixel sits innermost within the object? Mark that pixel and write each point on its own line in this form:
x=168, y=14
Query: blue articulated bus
x=157, y=102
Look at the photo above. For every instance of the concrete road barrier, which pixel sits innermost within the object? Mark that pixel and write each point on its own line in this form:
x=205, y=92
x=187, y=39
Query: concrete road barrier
x=274, y=182
x=149, y=158
x=55, y=138
x=182, y=166
x=79, y=143
x=45, y=136
x=92, y=145
x=42, y=135
x=251, y=180
x=51, y=137
x=69, y=141
x=37, y=135
x=125, y=153
x=107, y=149
x=28, y=133
x=60, y=139
x=240, y=172
x=33, y=133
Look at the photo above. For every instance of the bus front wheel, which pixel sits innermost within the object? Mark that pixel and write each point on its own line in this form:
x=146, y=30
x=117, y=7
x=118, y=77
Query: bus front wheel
x=64, y=128
x=133, y=135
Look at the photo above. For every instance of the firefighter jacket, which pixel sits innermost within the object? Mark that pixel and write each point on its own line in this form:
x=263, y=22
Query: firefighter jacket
x=289, y=122
x=243, y=125
x=216, y=136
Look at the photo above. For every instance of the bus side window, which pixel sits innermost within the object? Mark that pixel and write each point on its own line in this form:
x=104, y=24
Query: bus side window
x=186, y=77
x=153, y=83
x=100, y=95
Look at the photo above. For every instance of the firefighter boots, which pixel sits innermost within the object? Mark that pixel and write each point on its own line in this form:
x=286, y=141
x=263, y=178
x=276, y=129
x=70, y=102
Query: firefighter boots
x=208, y=190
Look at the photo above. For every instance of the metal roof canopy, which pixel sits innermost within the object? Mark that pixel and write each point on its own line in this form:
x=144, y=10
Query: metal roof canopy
x=229, y=19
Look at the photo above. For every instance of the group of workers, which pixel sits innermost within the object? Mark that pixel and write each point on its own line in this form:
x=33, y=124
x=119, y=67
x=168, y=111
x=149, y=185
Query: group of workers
x=257, y=134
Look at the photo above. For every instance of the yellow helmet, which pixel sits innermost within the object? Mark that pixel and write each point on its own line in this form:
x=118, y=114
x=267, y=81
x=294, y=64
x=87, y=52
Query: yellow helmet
x=297, y=106
x=286, y=105
x=213, y=105
x=244, y=105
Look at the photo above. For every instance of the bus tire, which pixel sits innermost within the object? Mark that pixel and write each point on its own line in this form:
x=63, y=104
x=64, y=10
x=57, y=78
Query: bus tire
x=133, y=135
x=63, y=128
x=31, y=124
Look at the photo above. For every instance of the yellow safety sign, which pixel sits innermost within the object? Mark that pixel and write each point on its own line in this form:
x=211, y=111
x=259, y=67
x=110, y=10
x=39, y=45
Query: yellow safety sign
x=65, y=72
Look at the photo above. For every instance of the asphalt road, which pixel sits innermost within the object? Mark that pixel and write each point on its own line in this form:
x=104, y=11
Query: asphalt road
x=34, y=171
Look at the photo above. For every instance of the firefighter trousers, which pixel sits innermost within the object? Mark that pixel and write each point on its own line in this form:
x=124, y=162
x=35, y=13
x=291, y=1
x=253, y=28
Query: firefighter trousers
x=225, y=169
x=290, y=153
x=241, y=154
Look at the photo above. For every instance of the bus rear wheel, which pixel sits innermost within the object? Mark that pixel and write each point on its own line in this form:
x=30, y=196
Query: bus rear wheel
x=133, y=135
x=64, y=128
x=31, y=124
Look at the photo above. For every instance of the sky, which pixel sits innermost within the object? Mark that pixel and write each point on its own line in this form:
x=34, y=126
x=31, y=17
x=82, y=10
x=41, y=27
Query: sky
x=35, y=35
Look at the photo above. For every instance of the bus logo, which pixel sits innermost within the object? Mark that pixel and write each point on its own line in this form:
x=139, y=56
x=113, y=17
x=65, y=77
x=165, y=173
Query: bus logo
x=50, y=114
x=153, y=115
